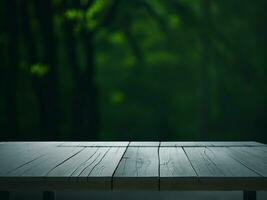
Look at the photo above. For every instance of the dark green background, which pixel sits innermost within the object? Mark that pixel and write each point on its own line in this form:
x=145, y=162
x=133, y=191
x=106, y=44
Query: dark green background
x=133, y=70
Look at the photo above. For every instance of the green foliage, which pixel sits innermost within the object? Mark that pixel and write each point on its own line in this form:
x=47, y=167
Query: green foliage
x=95, y=8
x=39, y=70
x=149, y=66
x=92, y=12
x=117, y=97
x=74, y=14
x=174, y=21
x=117, y=38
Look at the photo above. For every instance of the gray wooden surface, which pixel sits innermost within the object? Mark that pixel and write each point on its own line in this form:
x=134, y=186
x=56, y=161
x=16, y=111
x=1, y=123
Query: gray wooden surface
x=133, y=165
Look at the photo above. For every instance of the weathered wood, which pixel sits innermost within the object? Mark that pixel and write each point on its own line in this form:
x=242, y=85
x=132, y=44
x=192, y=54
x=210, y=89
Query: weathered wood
x=15, y=144
x=14, y=154
x=67, y=168
x=41, y=166
x=176, y=171
x=144, y=144
x=138, y=169
x=254, y=158
x=211, y=144
x=98, y=170
x=242, y=144
x=215, y=162
x=249, y=195
x=217, y=170
x=50, y=166
x=182, y=144
x=94, y=144
x=94, y=166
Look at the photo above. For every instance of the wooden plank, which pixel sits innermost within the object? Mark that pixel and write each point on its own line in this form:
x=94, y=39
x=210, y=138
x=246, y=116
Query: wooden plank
x=67, y=168
x=247, y=144
x=216, y=162
x=174, y=163
x=186, y=144
x=210, y=144
x=217, y=170
x=98, y=170
x=138, y=169
x=29, y=143
x=43, y=165
x=144, y=144
x=107, y=165
x=13, y=155
x=253, y=158
x=176, y=171
x=63, y=169
x=261, y=148
x=94, y=144
x=177, y=144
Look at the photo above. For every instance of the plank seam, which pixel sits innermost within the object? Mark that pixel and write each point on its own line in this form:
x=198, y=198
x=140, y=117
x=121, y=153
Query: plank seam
x=83, y=162
x=190, y=162
x=64, y=161
x=91, y=163
x=112, y=177
x=98, y=162
x=159, y=166
x=243, y=163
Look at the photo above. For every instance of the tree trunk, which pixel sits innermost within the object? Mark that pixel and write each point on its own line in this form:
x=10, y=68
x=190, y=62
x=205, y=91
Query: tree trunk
x=77, y=132
x=48, y=87
x=204, y=71
x=31, y=59
x=88, y=90
x=85, y=109
x=11, y=123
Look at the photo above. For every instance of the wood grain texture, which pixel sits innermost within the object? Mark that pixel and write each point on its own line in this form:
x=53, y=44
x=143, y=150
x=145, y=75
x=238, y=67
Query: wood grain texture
x=16, y=154
x=174, y=163
x=176, y=171
x=182, y=144
x=210, y=144
x=216, y=162
x=144, y=144
x=245, y=144
x=138, y=169
x=94, y=144
x=254, y=158
x=93, y=166
x=68, y=168
x=41, y=166
x=133, y=166
x=217, y=170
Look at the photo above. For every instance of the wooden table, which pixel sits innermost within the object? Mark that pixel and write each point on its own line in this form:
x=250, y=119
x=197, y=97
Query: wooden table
x=51, y=166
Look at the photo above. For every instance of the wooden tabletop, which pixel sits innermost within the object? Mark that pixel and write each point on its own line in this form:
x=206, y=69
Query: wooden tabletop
x=133, y=165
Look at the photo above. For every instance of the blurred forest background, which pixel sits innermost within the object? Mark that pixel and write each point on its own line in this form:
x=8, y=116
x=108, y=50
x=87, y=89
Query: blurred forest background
x=133, y=70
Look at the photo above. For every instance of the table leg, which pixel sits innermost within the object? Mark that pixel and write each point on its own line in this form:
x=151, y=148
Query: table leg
x=4, y=195
x=249, y=195
x=49, y=195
